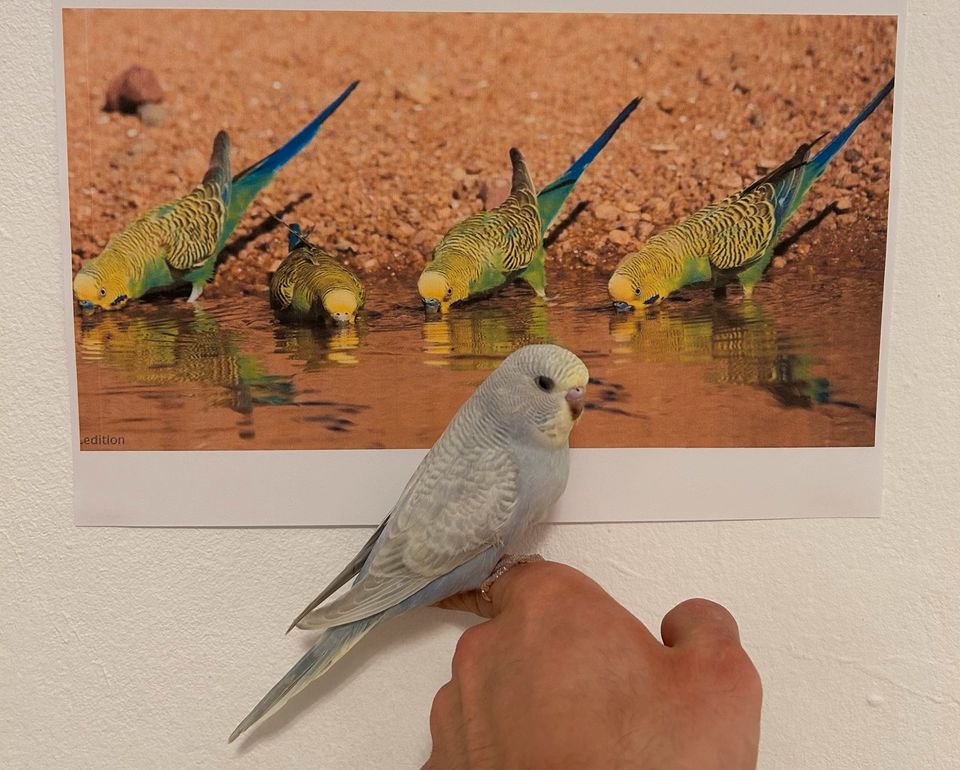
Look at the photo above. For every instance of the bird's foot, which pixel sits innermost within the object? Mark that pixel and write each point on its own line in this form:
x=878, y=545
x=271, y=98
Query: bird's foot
x=506, y=563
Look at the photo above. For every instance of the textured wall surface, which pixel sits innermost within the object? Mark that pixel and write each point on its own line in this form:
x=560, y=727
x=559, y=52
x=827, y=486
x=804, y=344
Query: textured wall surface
x=138, y=648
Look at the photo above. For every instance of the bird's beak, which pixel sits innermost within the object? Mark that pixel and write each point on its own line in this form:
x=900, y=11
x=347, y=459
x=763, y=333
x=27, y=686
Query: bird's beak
x=575, y=399
x=431, y=305
x=86, y=304
x=622, y=307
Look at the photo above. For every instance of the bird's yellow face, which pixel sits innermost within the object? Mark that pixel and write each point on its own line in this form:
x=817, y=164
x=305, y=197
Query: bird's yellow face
x=341, y=305
x=93, y=290
x=629, y=292
x=438, y=292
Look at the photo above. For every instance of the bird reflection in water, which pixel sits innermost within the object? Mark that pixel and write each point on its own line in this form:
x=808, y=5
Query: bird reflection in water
x=736, y=343
x=318, y=346
x=181, y=345
x=480, y=336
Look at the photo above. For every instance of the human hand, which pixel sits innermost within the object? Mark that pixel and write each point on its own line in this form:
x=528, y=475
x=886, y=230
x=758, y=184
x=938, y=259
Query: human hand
x=563, y=676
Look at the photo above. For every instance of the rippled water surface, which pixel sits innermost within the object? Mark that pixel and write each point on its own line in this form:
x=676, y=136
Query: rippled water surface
x=795, y=367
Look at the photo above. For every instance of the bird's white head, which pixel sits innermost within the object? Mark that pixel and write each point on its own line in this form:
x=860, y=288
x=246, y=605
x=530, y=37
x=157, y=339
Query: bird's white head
x=540, y=391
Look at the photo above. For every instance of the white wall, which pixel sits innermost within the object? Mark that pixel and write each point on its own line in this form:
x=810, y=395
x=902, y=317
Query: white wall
x=139, y=648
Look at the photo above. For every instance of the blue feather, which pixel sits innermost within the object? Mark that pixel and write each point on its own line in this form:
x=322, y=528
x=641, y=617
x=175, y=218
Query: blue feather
x=822, y=158
x=551, y=197
x=250, y=181
x=293, y=237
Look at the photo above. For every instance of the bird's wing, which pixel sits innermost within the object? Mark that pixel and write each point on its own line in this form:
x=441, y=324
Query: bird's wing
x=451, y=510
x=348, y=572
x=746, y=225
x=193, y=225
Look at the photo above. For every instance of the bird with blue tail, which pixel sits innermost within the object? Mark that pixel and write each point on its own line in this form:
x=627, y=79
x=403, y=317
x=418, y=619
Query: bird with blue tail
x=177, y=243
x=732, y=240
x=491, y=248
x=310, y=285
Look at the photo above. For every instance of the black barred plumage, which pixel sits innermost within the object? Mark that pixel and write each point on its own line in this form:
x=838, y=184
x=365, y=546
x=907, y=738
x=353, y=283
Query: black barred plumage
x=310, y=284
x=733, y=239
x=732, y=234
x=505, y=238
x=178, y=242
x=488, y=248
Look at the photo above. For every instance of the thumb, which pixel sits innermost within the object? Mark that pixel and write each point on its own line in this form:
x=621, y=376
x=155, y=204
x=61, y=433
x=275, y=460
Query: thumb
x=696, y=621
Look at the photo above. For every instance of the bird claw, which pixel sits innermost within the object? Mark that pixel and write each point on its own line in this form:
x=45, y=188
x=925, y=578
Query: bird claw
x=506, y=563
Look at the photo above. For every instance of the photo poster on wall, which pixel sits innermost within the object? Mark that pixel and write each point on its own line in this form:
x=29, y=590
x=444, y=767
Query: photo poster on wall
x=288, y=265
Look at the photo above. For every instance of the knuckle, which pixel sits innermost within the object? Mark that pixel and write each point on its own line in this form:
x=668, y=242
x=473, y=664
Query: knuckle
x=549, y=584
x=440, y=707
x=729, y=667
x=468, y=649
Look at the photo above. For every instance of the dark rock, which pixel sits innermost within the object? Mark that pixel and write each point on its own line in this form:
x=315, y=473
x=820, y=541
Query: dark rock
x=131, y=88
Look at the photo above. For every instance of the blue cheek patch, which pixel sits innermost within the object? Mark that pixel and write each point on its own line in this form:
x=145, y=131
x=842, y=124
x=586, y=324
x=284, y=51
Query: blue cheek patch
x=86, y=304
x=651, y=300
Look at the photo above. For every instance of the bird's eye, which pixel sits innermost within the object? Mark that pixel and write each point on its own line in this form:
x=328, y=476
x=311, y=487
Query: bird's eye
x=544, y=383
x=449, y=290
x=637, y=291
x=103, y=292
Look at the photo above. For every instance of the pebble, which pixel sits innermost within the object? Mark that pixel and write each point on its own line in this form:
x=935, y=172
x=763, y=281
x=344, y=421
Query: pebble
x=134, y=86
x=606, y=211
x=778, y=263
x=151, y=114
x=850, y=181
x=620, y=237
x=663, y=147
x=844, y=204
x=719, y=134
x=667, y=103
x=732, y=182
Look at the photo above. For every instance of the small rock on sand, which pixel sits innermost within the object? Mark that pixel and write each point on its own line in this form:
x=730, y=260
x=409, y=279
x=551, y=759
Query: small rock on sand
x=606, y=211
x=151, y=114
x=620, y=237
x=134, y=86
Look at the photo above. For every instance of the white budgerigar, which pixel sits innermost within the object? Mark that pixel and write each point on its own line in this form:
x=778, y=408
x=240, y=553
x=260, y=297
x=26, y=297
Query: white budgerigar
x=498, y=467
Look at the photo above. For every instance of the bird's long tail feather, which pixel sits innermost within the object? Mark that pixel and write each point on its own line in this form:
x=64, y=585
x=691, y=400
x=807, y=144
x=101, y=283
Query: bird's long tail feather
x=551, y=197
x=250, y=181
x=329, y=648
x=795, y=178
x=819, y=161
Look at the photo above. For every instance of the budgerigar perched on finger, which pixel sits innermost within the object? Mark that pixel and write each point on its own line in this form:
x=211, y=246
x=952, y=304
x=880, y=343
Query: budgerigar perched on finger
x=497, y=468
x=178, y=242
x=732, y=240
x=493, y=247
x=311, y=285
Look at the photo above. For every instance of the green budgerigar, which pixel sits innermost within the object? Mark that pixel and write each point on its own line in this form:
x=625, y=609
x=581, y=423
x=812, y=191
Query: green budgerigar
x=311, y=285
x=732, y=240
x=178, y=242
x=492, y=247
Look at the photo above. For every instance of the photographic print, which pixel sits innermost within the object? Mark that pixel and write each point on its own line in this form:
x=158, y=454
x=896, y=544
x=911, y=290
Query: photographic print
x=303, y=230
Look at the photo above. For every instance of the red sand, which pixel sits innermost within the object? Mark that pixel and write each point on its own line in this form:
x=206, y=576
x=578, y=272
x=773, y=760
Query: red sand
x=424, y=139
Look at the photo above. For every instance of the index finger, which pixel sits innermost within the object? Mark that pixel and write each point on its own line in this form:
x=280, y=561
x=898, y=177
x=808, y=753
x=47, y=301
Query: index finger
x=525, y=579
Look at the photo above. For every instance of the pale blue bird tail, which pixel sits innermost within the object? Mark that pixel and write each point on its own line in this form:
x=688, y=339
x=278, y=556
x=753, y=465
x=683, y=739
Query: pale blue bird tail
x=794, y=178
x=330, y=647
x=246, y=184
x=551, y=197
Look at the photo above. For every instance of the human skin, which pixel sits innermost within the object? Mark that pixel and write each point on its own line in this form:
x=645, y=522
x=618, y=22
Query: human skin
x=562, y=676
